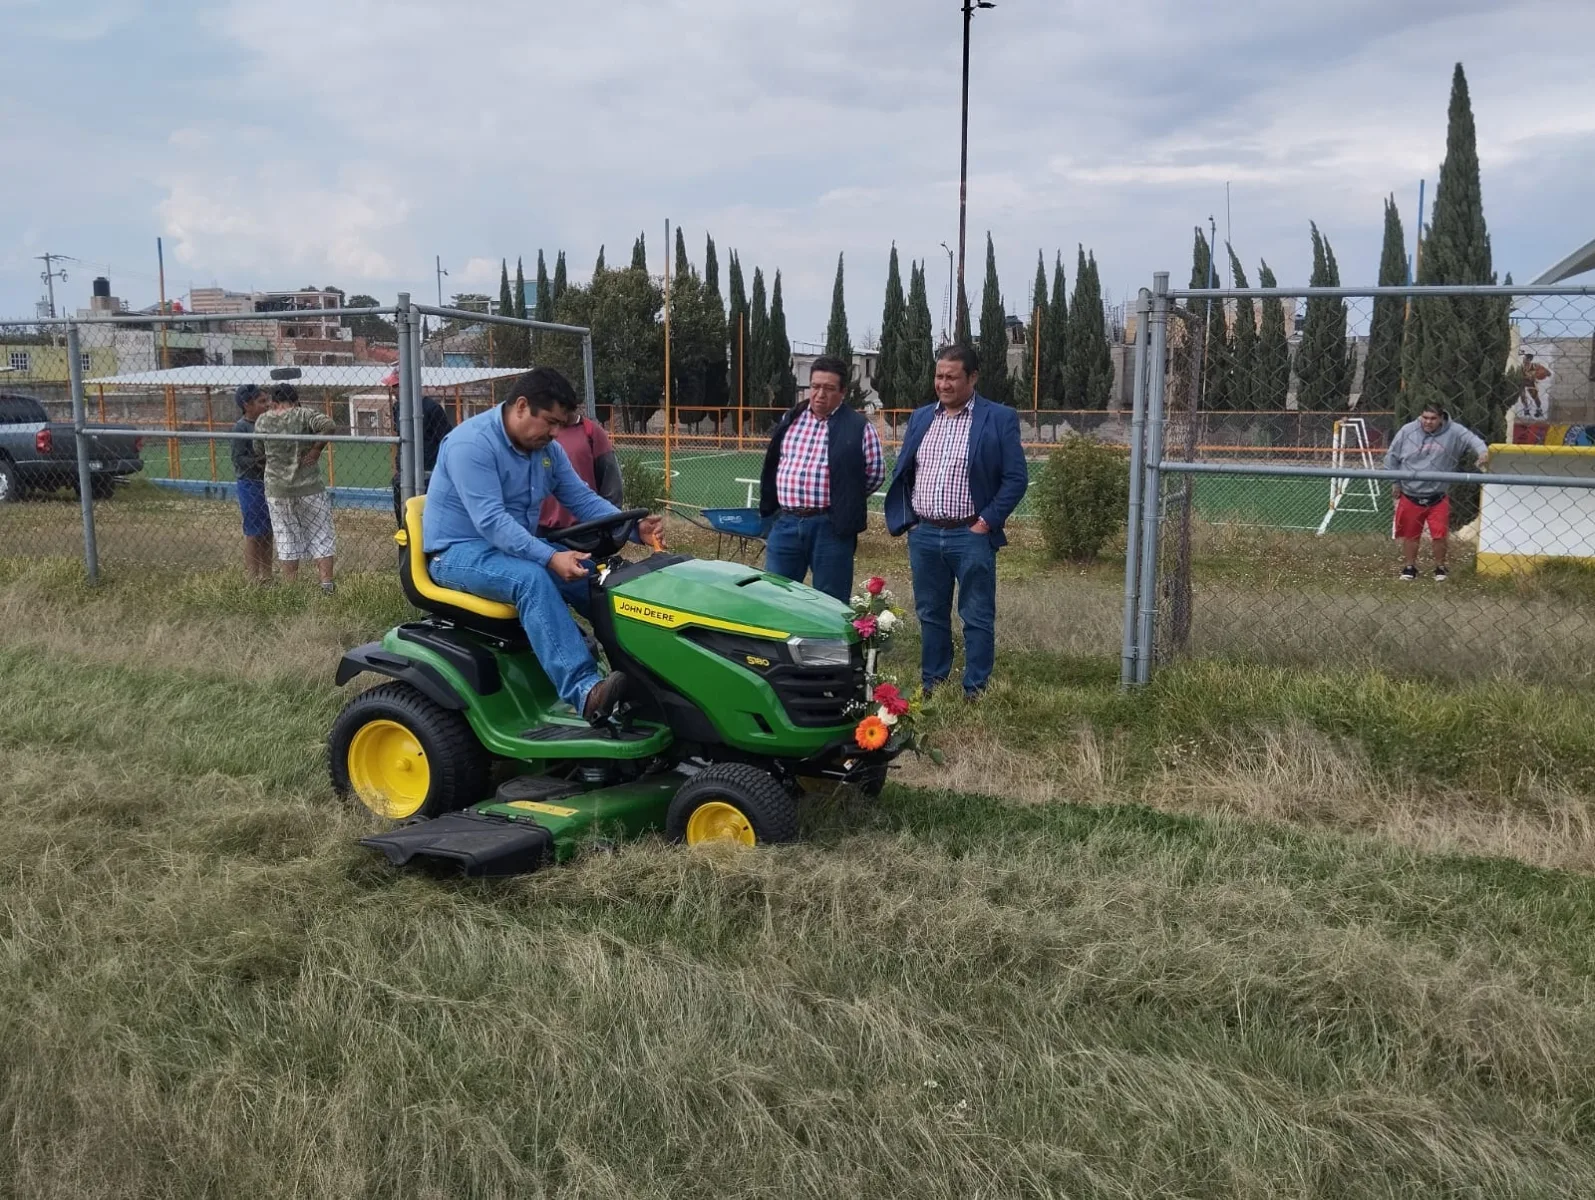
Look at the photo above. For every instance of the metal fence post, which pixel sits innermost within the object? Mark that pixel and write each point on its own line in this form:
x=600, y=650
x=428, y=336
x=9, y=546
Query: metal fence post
x=1151, y=514
x=587, y=375
x=1132, y=525
x=401, y=321
x=74, y=354
x=417, y=414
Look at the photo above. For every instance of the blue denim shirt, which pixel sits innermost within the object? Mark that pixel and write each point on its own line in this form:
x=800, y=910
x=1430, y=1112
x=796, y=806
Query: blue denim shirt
x=484, y=489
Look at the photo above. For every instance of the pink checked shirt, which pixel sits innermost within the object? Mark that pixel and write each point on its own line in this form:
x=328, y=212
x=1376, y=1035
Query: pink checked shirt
x=803, y=477
x=941, y=467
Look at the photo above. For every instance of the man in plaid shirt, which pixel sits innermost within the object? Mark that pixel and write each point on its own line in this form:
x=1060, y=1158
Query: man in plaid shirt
x=823, y=464
x=960, y=473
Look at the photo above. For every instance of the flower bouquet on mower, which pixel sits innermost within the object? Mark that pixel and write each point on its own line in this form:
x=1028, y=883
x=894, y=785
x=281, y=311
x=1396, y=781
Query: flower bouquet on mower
x=742, y=684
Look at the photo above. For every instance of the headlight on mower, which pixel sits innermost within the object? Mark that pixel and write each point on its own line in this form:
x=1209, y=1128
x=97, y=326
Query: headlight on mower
x=819, y=652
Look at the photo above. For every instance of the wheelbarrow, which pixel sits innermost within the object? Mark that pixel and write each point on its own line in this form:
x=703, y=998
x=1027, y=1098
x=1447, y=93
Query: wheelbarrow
x=742, y=530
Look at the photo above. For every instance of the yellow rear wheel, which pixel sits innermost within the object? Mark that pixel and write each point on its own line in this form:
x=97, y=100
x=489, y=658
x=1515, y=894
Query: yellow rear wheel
x=404, y=755
x=388, y=769
x=718, y=821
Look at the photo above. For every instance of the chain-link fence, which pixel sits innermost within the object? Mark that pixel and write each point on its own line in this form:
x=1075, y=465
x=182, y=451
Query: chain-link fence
x=1372, y=538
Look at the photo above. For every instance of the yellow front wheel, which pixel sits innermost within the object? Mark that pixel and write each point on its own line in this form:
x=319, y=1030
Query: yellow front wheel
x=732, y=802
x=405, y=756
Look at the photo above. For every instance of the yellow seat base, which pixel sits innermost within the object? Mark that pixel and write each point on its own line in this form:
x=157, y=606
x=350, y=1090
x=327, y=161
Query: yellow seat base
x=410, y=539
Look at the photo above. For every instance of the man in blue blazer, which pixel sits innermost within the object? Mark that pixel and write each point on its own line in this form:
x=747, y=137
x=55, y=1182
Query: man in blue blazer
x=959, y=475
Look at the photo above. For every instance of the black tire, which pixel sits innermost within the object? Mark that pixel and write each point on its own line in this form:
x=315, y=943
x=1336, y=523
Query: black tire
x=103, y=487
x=767, y=806
x=10, y=485
x=457, y=765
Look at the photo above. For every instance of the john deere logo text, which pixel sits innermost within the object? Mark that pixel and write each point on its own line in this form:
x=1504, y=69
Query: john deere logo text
x=638, y=611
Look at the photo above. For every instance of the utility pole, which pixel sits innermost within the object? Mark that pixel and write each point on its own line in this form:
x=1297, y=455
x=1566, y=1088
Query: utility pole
x=960, y=333
x=947, y=325
x=438, y=259
x=50, y=275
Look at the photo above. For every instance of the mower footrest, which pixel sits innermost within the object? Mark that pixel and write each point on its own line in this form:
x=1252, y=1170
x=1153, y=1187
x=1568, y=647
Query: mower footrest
x=467, y=843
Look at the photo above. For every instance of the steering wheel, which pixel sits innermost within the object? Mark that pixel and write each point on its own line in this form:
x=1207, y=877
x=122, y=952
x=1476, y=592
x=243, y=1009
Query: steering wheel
x=625, y=519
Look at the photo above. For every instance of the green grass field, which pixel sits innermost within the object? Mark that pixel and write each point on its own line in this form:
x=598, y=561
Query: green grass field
x=1257, y=932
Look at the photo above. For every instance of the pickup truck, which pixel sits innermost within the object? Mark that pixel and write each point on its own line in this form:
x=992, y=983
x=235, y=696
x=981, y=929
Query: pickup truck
x=37, y=454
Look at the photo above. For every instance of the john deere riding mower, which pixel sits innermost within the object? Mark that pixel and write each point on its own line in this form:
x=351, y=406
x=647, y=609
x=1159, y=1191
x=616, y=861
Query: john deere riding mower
x=742, y=685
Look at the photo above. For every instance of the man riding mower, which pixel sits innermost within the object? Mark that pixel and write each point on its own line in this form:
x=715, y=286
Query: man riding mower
x=725, y=688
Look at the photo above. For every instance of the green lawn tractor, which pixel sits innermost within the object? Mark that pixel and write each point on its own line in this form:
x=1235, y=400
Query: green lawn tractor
x=742, y=686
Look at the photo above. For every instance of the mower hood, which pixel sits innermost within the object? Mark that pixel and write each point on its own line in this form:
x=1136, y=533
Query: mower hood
x=677, y=592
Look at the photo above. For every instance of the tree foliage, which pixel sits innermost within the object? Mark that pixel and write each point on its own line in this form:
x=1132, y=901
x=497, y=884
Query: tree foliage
x=915, y=353
x=1381, y=373
x=1271, y=369
x=1242, y=341
x=993, y=346
x=1324, y=360
x=894, y=319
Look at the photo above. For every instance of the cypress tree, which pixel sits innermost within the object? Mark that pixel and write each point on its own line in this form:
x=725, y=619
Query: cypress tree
x=1243, y=342
x=893, y=318
x=1055, y=353
x=759, y=366
x=783, y=383
x=639, y=254
x=1321, y=359
x=1026, y=389
x=1456, y=346
x=716, y=388
x=1271, y=371
x=520, y=291
x=837, y=342
x=1215, y=344
x=1099, y=359
x=542, y=309
x=1201, y=265
x=598, y=267
x=993, y=346
x=737, y=382
x=683, y=267
x=916, y=355
x=559, y=284
x=506, y=304
x=961, y=320
x=1381, y=373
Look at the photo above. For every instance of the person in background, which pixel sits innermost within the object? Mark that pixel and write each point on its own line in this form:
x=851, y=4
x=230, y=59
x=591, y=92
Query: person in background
x=1434, y=442
x=249, y=473
x=435, y=426
x=960, y=474
x=586, y=443
x=296, y=494
x=823, y=463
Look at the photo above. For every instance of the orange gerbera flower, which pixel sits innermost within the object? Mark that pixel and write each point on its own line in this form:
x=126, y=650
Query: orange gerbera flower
x=871, y=733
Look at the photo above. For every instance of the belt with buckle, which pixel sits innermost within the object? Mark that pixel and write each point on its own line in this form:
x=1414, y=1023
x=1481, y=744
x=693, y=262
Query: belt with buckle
x=804, y=512
x=955, y=523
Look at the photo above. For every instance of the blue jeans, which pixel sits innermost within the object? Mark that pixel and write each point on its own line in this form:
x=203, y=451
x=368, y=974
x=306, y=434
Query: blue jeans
x=540, y=597
x=797, y=544
x=940, y=558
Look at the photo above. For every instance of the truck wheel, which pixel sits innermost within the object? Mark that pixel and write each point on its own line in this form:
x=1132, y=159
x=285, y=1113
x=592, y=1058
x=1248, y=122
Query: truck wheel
x=103, y=487
x=732, y=802
x=405, y=756
x=10, y=486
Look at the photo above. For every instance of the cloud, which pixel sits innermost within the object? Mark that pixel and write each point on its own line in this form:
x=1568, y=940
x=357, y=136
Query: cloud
x=280, y=217
x=400, y=130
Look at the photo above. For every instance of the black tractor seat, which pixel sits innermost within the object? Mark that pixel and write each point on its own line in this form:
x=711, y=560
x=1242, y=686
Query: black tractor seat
x=476, y=613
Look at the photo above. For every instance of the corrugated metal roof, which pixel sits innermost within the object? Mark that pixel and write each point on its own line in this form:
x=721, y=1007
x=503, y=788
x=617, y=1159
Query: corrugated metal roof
x=358, y=376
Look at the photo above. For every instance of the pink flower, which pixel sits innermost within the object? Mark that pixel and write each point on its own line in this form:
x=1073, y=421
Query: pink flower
x=865, y=626
x=875, y=585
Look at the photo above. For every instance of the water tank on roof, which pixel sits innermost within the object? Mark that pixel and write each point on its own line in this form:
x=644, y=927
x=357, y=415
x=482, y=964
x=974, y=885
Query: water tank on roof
x=102, y=286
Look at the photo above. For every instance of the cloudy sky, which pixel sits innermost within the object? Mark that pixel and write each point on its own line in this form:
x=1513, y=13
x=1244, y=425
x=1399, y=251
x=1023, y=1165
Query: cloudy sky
x=275, y=145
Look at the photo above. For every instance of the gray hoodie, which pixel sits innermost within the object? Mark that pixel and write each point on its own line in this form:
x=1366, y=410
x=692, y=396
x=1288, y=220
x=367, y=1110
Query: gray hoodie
x=1414, y=450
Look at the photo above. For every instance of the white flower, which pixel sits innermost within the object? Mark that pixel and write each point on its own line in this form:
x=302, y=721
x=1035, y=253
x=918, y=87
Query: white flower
x=886, y=619
x=860, y=603
x=887, y=717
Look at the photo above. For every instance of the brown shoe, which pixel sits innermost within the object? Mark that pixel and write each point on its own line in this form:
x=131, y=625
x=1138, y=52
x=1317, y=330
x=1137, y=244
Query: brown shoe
x=607, y=692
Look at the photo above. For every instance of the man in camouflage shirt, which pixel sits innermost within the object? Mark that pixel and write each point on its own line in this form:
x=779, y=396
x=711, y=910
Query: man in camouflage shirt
x=296, y=495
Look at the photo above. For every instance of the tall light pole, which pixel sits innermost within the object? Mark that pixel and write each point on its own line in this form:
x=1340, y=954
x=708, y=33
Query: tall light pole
x=970, y=6
x=947, y=325
x=438, y=259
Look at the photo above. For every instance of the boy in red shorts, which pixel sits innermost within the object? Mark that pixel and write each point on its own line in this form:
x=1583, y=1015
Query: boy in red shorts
x=1434, y=442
